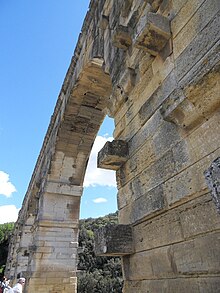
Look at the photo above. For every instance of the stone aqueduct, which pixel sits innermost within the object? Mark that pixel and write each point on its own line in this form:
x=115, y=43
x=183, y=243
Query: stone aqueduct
x=154, y=66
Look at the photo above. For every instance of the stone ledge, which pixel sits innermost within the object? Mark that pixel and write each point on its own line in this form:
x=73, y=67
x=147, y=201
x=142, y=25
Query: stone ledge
x=121, y=38
x=113, y=155
x=114, y=240
x=189, y=106
x=153, y=32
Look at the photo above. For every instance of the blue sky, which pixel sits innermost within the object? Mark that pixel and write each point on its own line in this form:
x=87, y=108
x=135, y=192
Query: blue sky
x=37, y=42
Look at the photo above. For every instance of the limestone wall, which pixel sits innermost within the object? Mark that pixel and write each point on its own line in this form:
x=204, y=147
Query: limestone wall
x=154, y=67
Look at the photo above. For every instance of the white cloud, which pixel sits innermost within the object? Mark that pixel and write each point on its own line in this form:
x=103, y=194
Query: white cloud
x=99, y=200
x=6, y=187
x=95, y=176
x=8, y=213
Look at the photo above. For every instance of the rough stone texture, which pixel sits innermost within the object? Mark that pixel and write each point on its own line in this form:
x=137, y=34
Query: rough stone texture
x=174, y=285
x=121, y=38
x=113, y=155
x=154, y=67
x=212, y=176
x=114, y=240
x=152, y=32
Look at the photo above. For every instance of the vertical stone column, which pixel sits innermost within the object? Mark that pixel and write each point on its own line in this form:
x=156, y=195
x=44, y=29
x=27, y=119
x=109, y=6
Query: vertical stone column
x=11, y=268
x=18, y=257
x=24, y=246
x=53, y=259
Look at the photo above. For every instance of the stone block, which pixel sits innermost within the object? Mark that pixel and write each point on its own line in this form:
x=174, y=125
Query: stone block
x=104, y=21
x=152, y=264
x=203, y=42
x=197, y=102
x=194, y=105
x=114, y=240
x=124, y=196
x=193, y=18
x=200, y=255
x=171, y=103
x=45, y=249
x=143, y=158
x=194, y=147
x=144, y=90
x=155, y=4
x=199, y=217
x=121, y=37
x=148, y=204
x=153, y=32
x=149, y=176
x=185, y=185
x=212, y=176
x=160, y=170
x=168, y=231
x=208, y=64
x=127, y=81
x=182, y=112
x=157, y=98
x=180, y=285
x=113, y=155
x=189, y=183
x=63, y=188
x=145, y=132
x=165, y=138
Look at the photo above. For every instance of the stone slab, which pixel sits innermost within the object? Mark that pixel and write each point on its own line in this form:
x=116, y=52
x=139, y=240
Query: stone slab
x=114, y=240
x=200, y=255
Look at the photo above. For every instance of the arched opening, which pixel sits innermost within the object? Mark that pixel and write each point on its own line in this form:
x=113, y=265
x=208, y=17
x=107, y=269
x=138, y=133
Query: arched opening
x=99, y=195
x=98, y=208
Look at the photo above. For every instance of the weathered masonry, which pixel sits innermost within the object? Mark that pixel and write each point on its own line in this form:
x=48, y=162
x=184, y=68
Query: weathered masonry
x=154, y=66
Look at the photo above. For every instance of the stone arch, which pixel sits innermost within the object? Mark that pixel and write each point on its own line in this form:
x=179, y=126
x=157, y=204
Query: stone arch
x=51, y=206
x=61, y=179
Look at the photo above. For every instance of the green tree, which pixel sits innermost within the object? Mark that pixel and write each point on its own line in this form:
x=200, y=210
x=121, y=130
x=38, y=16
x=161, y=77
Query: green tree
x=98, y=274
x=5, y=233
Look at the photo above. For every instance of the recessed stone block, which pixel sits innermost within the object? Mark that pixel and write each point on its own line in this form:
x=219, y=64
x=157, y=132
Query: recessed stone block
x=114, y=240
x=113, y=155
x=127, y=81
x=104, y=21
x=153, y=32
x=212, y=176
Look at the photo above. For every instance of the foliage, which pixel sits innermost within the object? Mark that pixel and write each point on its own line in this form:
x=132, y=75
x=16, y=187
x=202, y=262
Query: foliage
x=98, y=274
x=5, y=232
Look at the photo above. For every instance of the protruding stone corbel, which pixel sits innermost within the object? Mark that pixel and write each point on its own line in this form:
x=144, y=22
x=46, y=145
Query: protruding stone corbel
x=212, y=176
x=172, y=110
x=153, y=32
x=122, y=38
x=187, y=111
x=113, y=155
x=114, y=240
